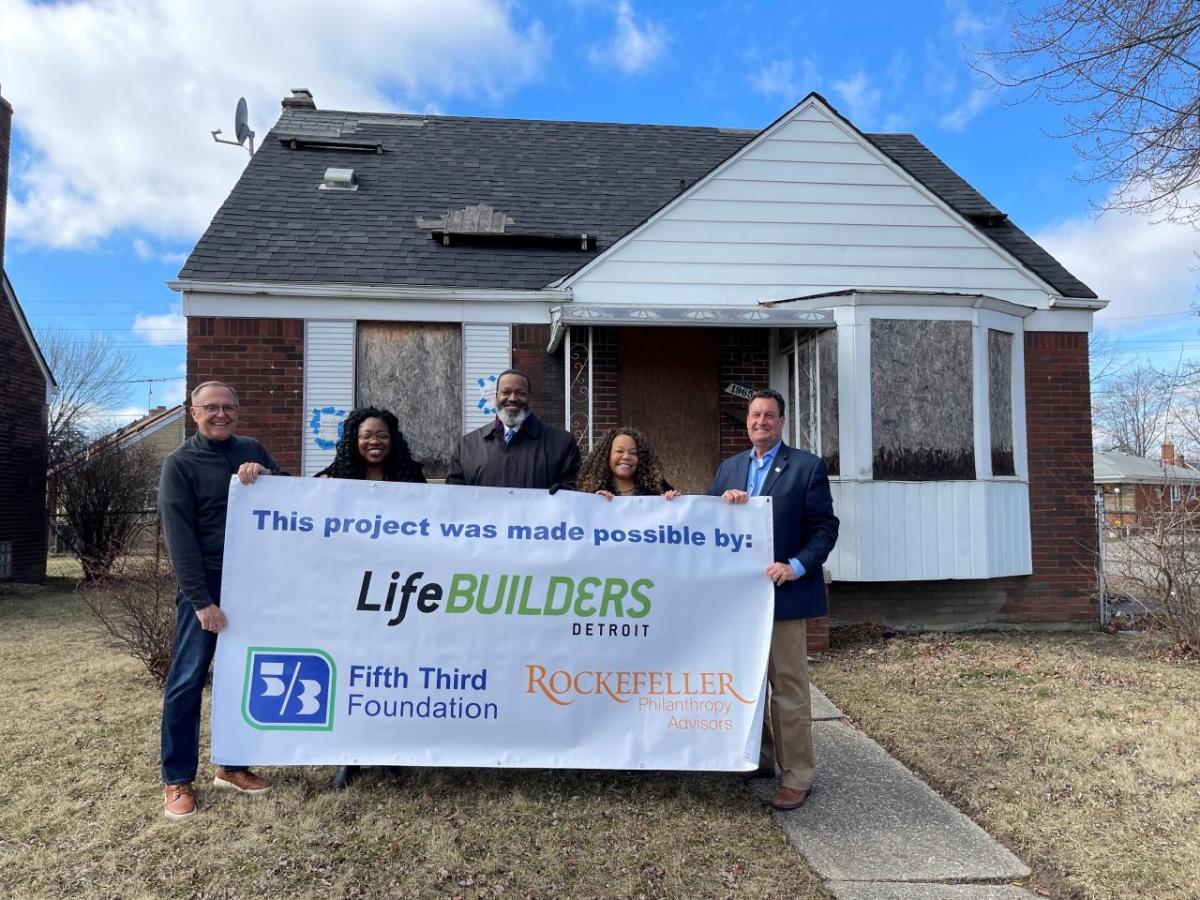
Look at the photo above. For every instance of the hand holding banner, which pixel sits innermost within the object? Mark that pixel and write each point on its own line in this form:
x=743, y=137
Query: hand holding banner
x=406, y=624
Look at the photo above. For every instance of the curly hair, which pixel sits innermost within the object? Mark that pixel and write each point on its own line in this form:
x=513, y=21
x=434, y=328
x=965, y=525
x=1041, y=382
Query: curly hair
x=348, y=462
x=595, y=474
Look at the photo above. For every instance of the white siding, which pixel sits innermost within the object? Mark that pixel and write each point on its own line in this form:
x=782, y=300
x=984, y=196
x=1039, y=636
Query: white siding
x=328, y=385
x=925, y=531
x=808, y=207
x=487, y=351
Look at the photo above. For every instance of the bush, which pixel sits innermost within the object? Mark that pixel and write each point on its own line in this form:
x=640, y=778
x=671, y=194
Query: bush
x=136, y=605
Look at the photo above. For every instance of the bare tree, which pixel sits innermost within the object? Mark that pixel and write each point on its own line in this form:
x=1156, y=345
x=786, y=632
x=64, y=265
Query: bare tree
x=1129, y=75
x=90, y=373
x=1104, y=358
x=1131, y=411
x=104, y=493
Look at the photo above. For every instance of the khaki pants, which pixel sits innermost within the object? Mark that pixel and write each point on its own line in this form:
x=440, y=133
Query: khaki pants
x=787, y=722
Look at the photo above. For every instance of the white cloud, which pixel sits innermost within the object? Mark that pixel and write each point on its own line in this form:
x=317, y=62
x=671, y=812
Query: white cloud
x=972, y=105
x=859, y=98
x=635, y=45
x=116, y=98
x=167, y=328
x=147, y=253
x=778, y=78
x=1146, y=271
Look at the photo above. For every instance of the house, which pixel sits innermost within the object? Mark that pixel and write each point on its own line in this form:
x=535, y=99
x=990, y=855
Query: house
x=1133, y=488
x=932, y=353
x=26, y=389
x=159, y=432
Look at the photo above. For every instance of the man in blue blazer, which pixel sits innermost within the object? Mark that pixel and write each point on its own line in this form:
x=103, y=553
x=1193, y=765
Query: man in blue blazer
x=805, y=531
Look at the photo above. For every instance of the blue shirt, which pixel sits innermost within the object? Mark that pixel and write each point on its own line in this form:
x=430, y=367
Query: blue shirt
x=757, y=474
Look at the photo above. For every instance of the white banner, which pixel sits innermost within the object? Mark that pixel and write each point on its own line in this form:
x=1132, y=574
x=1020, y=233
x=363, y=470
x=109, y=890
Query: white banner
x=453, y=626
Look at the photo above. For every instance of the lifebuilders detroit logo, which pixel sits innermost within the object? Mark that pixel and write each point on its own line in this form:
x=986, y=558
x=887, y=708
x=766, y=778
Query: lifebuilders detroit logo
x=289, y=689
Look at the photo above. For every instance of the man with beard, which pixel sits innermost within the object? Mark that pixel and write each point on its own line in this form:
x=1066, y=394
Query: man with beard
x=518, y=449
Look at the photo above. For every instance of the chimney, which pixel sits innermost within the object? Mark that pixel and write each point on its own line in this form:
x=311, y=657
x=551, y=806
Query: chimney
x=1168, y=453
x=301, y=98
x=6, y=113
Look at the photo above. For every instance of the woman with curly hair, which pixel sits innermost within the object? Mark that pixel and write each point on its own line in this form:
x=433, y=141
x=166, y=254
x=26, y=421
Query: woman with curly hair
x=371, y=448
x=622, y=464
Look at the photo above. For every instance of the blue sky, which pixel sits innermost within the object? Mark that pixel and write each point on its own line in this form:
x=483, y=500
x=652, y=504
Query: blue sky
x=114, y=174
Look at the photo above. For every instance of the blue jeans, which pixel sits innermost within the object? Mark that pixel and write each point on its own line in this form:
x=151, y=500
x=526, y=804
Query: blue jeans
x=194, y=648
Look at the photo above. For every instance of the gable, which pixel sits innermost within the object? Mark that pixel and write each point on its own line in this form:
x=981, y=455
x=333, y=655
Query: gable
x=810, y=206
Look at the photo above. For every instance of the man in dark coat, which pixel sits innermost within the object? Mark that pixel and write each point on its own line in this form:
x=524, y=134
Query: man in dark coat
x=805, y=531
x=517, y=449
x=192, y=498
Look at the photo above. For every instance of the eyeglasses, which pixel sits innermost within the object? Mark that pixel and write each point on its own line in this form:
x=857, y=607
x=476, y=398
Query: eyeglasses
x=383, y=436
x=212, y=409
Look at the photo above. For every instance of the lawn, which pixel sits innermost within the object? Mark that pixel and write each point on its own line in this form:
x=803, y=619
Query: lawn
x=1080, y=752
x=80, y=807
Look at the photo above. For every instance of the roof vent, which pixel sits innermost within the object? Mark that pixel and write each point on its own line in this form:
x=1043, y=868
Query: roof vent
x=339, y=180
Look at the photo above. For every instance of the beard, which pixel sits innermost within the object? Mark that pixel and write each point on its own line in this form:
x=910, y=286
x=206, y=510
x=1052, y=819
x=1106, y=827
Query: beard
x=512, y=419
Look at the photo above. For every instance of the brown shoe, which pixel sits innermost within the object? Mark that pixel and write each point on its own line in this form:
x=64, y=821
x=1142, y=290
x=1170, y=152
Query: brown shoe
x=179, y=801
x=244, y=781
x=789, y=798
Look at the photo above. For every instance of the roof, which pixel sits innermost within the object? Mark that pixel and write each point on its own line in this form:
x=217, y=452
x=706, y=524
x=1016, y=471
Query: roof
x=153, y=421
x=549, y=178
x=1115, y=467
x=23, y=326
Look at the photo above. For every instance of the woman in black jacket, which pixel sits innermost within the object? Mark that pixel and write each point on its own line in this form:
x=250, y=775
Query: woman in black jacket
x=371, y=448
x=622, y=464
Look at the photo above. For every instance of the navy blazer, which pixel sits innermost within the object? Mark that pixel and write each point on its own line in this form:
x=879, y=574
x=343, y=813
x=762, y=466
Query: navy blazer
x=805, y=526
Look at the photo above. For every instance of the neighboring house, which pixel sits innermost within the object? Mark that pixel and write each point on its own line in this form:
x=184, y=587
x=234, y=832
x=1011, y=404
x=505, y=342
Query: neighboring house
x=932, y=353
x=26, y=389
x=160, y=431
x=1134, y=488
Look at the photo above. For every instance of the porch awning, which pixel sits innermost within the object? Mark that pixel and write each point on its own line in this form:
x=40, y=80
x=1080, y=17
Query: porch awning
x=585, y=314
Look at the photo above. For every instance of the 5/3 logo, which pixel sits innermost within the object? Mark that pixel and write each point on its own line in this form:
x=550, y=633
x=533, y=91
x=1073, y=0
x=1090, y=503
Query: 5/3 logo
x=289, y=689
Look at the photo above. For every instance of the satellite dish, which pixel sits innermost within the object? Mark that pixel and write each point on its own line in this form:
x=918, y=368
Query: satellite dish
x=240, y=127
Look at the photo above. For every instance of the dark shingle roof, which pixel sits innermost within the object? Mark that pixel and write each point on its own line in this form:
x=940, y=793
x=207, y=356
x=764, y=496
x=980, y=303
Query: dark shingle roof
x=920, y=162
x=549, y=177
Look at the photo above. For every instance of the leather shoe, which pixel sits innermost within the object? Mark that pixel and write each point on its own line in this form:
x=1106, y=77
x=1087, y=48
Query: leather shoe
x=789, y=798
x=179, y=801
x=244, y=781
x=760, y=772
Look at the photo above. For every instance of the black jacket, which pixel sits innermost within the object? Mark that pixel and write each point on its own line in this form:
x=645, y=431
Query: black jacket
x=539, y=456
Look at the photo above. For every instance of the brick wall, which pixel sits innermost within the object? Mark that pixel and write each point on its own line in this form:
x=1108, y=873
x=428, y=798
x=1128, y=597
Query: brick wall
x=545, y=370
x=22, y=450
x=264, y=361
x=1058, y=416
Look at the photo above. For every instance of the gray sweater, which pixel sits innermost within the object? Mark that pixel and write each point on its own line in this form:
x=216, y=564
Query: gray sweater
x=192, y=495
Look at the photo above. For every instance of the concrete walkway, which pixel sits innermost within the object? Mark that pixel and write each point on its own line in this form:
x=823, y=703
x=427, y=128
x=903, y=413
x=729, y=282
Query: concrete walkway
x=874, y=831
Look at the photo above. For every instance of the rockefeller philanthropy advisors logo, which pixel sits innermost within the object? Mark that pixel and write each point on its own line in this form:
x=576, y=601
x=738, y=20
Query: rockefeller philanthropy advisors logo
x=289, y=689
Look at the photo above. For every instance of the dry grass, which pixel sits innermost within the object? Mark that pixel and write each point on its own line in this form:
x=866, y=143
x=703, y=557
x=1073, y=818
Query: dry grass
x=1081, y=752
x=80, y=808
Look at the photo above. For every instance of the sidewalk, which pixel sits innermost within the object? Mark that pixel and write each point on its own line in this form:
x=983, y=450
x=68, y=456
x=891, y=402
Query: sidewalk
x=874, y=831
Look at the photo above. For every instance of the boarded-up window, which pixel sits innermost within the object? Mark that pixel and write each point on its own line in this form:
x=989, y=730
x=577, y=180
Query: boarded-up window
x=813, y=403
x=1000, y=347
x=416, y=372
x=922, y=425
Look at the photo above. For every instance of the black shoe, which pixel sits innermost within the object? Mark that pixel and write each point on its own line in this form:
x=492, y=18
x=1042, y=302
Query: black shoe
x=760, y=772
x=345, y=775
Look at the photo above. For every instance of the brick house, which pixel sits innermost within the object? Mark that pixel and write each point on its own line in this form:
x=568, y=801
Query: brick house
x=932, y=353
x=1133, y=488
x=26, y=388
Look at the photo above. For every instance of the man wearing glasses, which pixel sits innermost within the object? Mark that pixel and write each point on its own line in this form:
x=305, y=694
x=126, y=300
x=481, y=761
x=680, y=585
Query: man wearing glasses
x=192, y=496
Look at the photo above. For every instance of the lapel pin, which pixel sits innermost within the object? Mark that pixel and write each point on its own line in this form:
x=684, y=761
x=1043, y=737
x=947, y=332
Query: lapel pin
x=777, y=469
